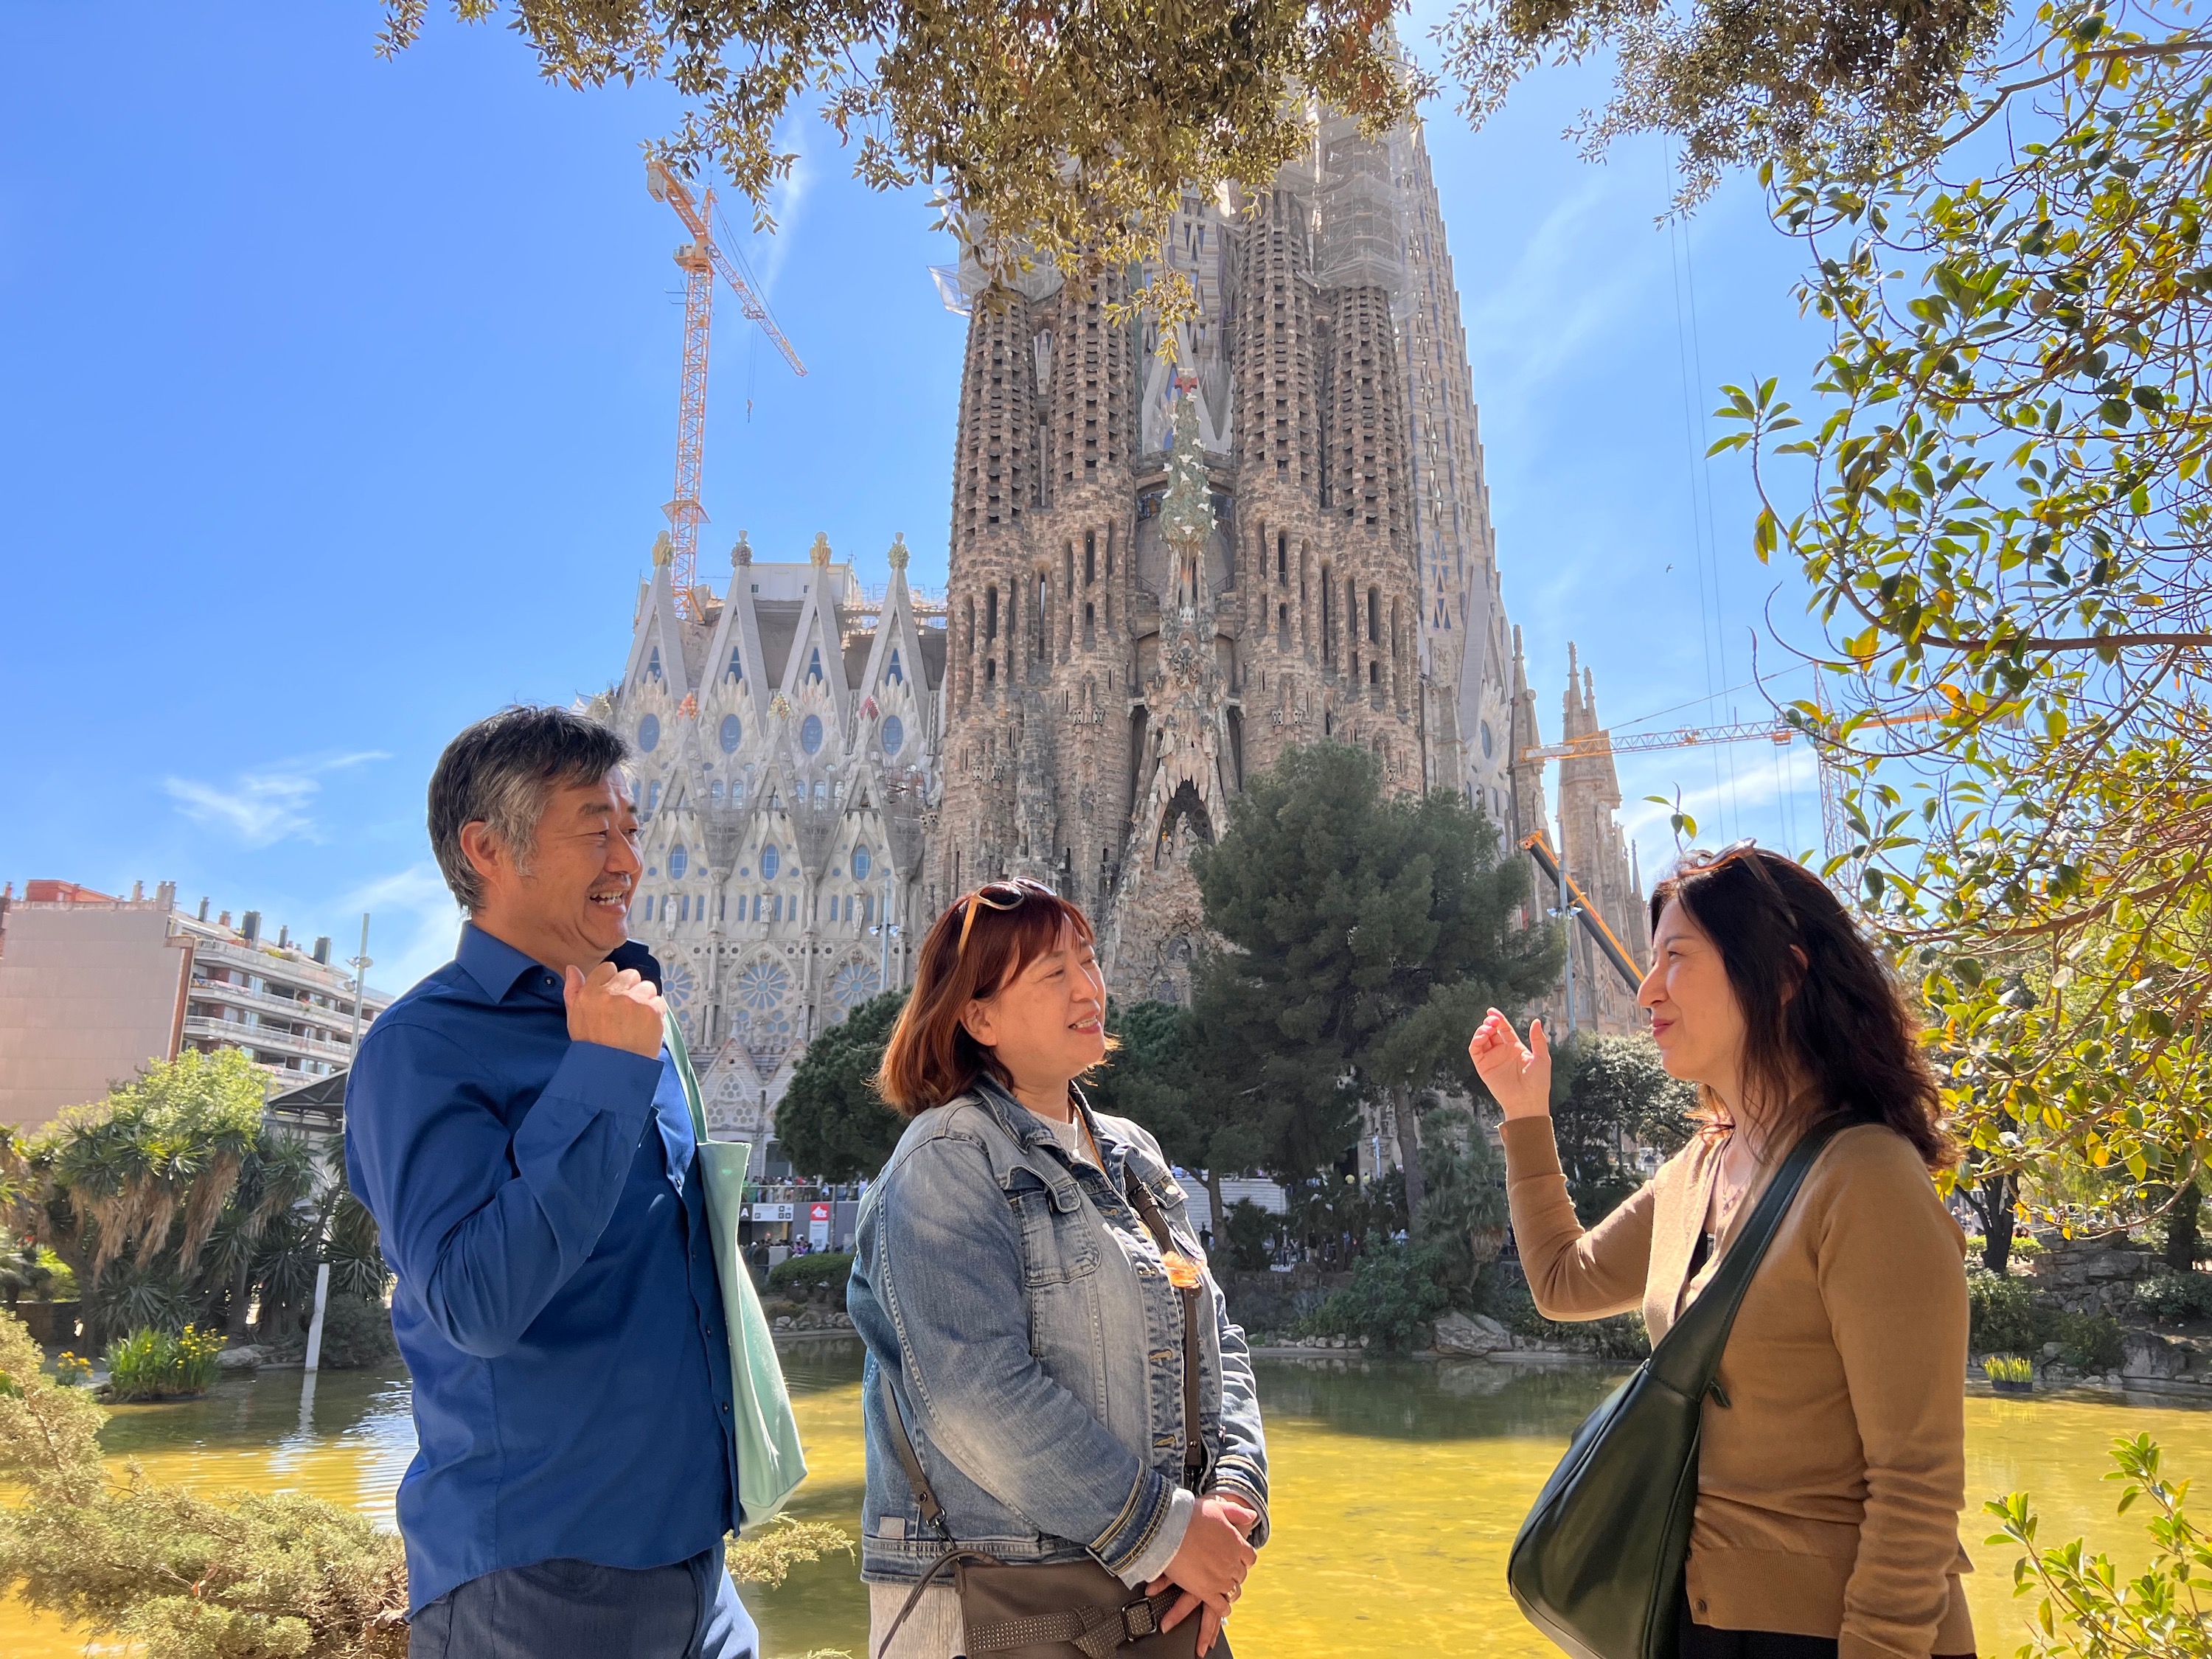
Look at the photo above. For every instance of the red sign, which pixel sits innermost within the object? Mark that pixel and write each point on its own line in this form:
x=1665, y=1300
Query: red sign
x=818, y=1212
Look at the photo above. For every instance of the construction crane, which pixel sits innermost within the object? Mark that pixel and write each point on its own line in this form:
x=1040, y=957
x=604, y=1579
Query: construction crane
x=1835, y=825
x=699, y=259
x=1574, y=900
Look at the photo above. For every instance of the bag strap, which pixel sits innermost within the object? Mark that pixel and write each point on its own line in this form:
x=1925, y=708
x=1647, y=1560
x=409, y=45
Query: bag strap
x=1193, y=1441
x=1689, y=1355
x=932, y=1510
x=671, y=1034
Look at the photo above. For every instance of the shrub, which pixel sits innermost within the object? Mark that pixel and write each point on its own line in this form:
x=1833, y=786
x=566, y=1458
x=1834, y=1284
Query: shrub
x=173, y=1572
x=2175, y=1298
x=2005, y=1318
x=1393, y=1292
x=356, y=1332
x=150, y=1364
x=2009, y=1368
x=1622, y=1338
x=2089, y=1607
x=1251, y=1237
x=2089, y=1342
x=809, y=1275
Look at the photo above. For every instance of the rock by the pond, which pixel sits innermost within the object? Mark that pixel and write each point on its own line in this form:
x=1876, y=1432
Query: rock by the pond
x=246, y=1359
x=1471, y=1333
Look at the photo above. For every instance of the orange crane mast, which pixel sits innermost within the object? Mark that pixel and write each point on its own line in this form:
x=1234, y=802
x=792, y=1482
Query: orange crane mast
x=700, y=260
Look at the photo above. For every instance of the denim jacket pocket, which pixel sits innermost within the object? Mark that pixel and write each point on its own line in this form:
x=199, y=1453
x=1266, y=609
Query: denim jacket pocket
x=1057, y=1245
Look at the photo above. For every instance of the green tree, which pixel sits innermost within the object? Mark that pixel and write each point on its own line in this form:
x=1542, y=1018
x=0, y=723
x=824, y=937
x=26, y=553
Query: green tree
x=172, y=1201
x=832, y=1122
x=1155, y=1077
x=1367, y=932
x=1464, y=1218
x=1610, y=1095
x=2003, y=515
x=1069, y=130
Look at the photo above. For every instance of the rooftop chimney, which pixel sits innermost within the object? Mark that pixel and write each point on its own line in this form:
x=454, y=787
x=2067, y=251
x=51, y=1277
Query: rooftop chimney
x=138, y=892
x=249, y=927
x=203, y=907
x=223, y=921
x=323, y=950
x=165, y=895
x=284, y=937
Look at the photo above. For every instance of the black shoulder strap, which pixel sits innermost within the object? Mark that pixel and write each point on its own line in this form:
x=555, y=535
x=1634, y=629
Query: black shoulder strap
x=1687, y=1357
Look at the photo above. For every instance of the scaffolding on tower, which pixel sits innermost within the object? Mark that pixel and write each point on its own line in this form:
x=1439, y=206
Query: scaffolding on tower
x=701, y=260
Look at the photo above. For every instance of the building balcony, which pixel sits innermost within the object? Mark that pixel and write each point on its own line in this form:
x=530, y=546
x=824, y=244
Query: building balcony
x=236, y=1034
x=267, y=1002
x=270, y=964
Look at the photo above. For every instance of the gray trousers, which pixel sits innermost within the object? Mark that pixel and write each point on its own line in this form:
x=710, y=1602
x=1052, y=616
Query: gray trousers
x=580, y=1610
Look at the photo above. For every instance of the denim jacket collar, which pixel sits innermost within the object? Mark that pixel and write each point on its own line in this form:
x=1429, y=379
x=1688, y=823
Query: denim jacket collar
x=1032, y=1134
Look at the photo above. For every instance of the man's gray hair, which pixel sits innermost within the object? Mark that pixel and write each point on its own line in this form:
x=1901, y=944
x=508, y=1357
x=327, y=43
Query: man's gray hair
x=501, y=772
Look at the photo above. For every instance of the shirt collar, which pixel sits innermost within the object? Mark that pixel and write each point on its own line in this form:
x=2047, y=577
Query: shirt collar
x=498, y=967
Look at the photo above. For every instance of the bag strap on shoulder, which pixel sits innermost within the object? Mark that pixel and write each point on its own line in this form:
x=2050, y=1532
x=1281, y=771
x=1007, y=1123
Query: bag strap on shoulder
x=1687, y=1357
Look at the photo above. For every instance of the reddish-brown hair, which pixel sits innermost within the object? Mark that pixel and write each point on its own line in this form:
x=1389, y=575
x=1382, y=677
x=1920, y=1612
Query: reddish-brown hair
x=931, y=1058
x=1816, y=1000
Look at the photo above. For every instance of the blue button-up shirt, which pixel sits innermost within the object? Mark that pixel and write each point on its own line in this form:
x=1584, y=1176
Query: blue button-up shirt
x=557, y=1301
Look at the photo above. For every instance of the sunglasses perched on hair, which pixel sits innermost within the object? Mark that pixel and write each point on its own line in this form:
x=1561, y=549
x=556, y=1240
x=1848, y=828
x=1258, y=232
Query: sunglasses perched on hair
x=1000, y=895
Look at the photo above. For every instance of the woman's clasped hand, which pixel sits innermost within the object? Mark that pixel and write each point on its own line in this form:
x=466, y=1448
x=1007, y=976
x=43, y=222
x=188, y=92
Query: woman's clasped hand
x=1209, y=1568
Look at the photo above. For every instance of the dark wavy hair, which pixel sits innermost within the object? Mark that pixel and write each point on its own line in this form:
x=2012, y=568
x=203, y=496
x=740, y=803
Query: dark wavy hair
x=1816, y=1000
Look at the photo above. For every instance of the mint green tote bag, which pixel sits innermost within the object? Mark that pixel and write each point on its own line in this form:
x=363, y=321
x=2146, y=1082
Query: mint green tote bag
x=770, y=1460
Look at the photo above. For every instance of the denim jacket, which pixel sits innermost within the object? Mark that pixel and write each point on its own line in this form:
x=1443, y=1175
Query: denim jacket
x=1043, y=1395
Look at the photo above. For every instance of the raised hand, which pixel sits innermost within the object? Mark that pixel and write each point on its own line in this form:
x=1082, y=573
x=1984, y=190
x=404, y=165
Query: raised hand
x=1519, y=1079
x=614, y=1008
x=1210, y=1566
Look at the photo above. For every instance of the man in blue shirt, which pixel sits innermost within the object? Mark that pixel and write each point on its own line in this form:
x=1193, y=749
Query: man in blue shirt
x=521, y=1138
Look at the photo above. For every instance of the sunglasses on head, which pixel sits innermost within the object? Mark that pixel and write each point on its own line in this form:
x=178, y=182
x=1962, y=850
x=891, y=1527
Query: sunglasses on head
x=1000, y=895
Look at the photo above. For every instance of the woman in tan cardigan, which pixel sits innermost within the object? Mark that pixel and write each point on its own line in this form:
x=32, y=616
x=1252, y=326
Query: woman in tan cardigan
x=1831, y=1472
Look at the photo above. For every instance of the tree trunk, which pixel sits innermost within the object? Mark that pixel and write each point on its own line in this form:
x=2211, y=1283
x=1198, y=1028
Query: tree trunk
x=1992, y=1201
x=1214, y=1204
x=1406, y=1132
x=2181, y=1228
x=241, y=1296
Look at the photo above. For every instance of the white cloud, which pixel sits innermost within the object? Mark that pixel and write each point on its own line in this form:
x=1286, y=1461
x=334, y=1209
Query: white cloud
x=413, y=924
x=266, y=806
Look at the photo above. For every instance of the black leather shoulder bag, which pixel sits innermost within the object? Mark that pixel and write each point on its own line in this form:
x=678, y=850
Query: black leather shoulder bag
x=1064, y=1610
x=1599, y=1563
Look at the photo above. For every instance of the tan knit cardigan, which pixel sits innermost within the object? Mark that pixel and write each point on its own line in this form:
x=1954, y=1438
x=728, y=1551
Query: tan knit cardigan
x=1829, y=1487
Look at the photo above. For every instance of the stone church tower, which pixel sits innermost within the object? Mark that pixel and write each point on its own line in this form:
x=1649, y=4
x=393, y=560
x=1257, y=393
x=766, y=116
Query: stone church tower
x=1169, y=564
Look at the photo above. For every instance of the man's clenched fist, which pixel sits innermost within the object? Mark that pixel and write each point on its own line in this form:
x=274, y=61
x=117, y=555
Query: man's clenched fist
x=616, y=1009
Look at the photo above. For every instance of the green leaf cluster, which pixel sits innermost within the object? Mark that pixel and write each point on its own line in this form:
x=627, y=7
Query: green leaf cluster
x=1054, y=130
x=2004, y=527
x=1611, y=1095
x=2085, y=1607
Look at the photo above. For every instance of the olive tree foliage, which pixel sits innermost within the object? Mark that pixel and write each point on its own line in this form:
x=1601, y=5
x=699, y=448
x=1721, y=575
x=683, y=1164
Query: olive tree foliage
x=2001, y=508
x=1865, y=83
x=1060, y=130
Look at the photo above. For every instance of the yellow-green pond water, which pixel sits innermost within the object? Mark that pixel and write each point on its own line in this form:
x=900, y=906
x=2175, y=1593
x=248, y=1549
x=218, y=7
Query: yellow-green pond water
x=1397, y=1487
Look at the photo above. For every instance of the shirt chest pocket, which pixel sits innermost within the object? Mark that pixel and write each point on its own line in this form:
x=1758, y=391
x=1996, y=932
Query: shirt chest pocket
x=1059, y=1241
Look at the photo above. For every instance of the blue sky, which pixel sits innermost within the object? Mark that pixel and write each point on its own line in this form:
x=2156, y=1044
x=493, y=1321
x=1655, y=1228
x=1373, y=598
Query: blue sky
x=339, y=405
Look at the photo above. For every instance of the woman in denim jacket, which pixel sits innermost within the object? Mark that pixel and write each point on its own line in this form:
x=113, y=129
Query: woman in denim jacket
x=1031, y=1326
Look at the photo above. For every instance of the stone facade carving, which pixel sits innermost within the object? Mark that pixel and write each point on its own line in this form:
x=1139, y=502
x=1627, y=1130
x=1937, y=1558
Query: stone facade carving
x=786, y=743
x=1170, y=562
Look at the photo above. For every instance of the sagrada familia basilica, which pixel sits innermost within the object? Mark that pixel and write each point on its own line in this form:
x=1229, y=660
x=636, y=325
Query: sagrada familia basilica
x=1166, y=567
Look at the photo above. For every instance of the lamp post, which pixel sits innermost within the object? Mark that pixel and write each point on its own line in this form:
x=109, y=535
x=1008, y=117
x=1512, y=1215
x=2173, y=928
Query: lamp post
x=360, y=965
